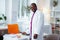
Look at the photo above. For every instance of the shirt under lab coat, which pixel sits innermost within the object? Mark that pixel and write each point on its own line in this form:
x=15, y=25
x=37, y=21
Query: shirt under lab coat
x=37, y=24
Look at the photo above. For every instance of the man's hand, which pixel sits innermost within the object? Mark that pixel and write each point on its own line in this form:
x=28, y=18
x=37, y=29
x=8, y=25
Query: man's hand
x=24, y=33
x=35, y=36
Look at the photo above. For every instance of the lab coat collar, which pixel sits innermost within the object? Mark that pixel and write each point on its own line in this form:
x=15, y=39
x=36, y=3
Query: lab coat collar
x=33, y=12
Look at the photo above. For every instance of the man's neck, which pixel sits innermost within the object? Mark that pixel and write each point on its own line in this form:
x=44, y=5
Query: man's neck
x=35, y=11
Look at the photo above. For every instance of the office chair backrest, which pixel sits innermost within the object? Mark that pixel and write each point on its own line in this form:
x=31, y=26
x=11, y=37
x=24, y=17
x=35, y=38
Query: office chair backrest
x=51, y=37
x=13, y=28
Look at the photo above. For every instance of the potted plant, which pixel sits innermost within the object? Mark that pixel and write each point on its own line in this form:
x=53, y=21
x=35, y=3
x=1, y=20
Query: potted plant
x=2, y=19
x=55, y=3
x=58, y=20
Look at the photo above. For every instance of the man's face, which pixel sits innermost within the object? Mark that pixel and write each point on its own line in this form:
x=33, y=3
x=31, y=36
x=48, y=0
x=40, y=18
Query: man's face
x=33, y=8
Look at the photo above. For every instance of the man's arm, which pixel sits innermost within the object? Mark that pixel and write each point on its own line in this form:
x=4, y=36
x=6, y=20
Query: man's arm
x=39, y=25
x=24, y=33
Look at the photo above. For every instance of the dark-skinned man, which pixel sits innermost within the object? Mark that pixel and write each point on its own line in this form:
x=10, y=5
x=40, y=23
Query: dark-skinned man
x=36, y=23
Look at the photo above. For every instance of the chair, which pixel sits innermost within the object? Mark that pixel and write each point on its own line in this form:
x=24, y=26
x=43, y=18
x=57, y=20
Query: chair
x=13, y=28
x=51, y=37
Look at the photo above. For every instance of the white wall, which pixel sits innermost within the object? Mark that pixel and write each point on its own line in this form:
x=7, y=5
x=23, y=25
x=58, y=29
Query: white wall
x=2, y=6
x=44, y=6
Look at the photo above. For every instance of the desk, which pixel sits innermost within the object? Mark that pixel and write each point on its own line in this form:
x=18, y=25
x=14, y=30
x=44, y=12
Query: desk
x=3, y=30
x=14, y=37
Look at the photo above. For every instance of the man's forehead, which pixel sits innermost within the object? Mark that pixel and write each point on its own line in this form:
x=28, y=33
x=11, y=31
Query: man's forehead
x=32, y=5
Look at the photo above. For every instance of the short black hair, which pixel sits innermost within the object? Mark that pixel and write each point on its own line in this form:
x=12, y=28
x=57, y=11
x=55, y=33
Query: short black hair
x=34, y=4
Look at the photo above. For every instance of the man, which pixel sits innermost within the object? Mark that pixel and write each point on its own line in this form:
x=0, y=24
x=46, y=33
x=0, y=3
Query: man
x=36, y=23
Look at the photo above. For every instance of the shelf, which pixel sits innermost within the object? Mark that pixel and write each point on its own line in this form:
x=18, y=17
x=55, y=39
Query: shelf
x=55, y=10
x=55, y=17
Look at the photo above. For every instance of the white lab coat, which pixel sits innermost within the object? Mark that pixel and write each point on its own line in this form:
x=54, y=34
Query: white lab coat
x=37, y=24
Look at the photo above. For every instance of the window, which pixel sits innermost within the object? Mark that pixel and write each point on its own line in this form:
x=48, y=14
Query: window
x=23, y=15
x=23, y=9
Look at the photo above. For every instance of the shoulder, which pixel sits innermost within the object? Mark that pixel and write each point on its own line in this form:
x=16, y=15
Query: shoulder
x=38, y=12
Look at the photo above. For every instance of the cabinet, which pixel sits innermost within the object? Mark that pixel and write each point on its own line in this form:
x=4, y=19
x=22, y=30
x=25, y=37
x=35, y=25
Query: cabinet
x=55, y=16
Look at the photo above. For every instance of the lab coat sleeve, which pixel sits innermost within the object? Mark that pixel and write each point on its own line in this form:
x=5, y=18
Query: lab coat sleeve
x=39, y=23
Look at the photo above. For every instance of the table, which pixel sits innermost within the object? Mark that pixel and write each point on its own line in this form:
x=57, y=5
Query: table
x=3, y=30
x=14, y=37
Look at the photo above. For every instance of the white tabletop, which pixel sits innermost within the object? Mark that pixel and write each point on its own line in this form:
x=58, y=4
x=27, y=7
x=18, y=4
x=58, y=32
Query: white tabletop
x=14, y=37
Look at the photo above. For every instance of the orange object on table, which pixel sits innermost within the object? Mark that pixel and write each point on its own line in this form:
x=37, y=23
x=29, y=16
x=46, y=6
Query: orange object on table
x=13, y=28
